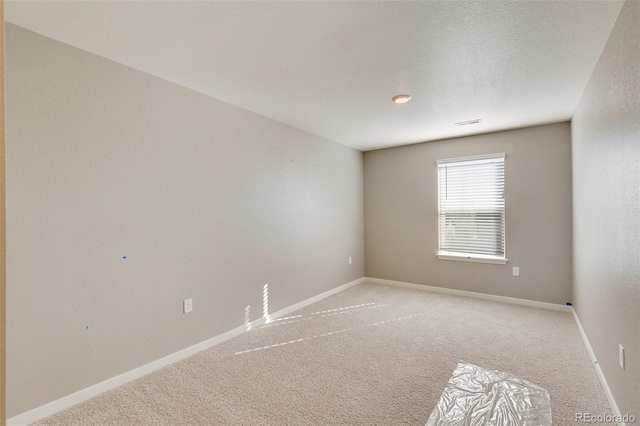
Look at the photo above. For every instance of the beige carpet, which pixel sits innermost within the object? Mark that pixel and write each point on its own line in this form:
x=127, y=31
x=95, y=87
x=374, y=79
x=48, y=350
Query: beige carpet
x=371, y=355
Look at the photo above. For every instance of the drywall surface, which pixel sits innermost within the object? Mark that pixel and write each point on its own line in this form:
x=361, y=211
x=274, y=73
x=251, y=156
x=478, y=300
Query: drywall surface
x=606, y=198
x=401, y=207
x=128, y=194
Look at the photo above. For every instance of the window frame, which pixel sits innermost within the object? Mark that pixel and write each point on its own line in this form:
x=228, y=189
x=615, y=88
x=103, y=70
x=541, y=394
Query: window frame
x=463, y=256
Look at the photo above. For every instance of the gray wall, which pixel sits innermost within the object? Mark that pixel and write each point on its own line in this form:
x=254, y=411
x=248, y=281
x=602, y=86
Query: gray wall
x=204, y=199
x=401, y=232
x=606, y=197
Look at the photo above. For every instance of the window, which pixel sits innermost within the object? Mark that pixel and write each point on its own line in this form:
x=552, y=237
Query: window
x=471, y=208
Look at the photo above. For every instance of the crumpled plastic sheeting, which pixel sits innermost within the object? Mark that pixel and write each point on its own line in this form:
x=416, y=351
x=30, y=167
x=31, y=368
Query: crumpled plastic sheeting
x=475, y=396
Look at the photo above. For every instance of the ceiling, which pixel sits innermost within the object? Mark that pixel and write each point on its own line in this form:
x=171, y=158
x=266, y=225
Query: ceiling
x=331, y=68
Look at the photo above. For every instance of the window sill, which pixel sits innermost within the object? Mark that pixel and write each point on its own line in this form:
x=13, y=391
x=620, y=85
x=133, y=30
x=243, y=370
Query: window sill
x=472, y=258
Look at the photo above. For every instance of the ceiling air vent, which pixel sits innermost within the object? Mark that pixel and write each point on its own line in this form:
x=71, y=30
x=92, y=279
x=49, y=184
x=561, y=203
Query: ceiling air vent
x=466, y=123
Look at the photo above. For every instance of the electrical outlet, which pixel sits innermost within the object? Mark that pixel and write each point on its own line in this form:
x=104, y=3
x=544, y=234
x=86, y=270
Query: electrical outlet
x=187, y=305
x=516, y=271
x=350, y=260
x=621, y=356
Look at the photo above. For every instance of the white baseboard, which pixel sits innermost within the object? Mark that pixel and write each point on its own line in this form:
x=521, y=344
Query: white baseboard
x=87, y=393
x=596, y=364
x=314, y=299
x=483, y=296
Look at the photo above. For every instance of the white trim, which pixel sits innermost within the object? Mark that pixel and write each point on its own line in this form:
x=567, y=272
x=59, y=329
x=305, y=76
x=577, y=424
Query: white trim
x=473, y=258
x=87, y=393
x=314, y=299
x=484, y=158
x=463, y=293
x=596, y=365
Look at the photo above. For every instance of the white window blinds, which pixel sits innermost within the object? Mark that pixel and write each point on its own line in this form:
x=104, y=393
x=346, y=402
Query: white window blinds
x=471, y=206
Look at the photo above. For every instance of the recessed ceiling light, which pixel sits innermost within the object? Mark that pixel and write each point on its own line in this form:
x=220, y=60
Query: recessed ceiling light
x=401, y=99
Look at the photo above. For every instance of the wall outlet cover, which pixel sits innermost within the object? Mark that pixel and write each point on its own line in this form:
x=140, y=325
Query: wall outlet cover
x=187, y=305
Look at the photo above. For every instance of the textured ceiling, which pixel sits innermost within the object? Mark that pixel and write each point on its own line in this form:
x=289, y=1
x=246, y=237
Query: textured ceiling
x=331, y=68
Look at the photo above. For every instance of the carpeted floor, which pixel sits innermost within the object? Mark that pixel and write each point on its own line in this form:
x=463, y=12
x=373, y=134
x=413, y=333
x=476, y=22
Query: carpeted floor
x=371, y=355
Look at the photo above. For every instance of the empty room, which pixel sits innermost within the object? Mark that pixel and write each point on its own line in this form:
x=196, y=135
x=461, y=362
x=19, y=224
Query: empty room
x=318, y=212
